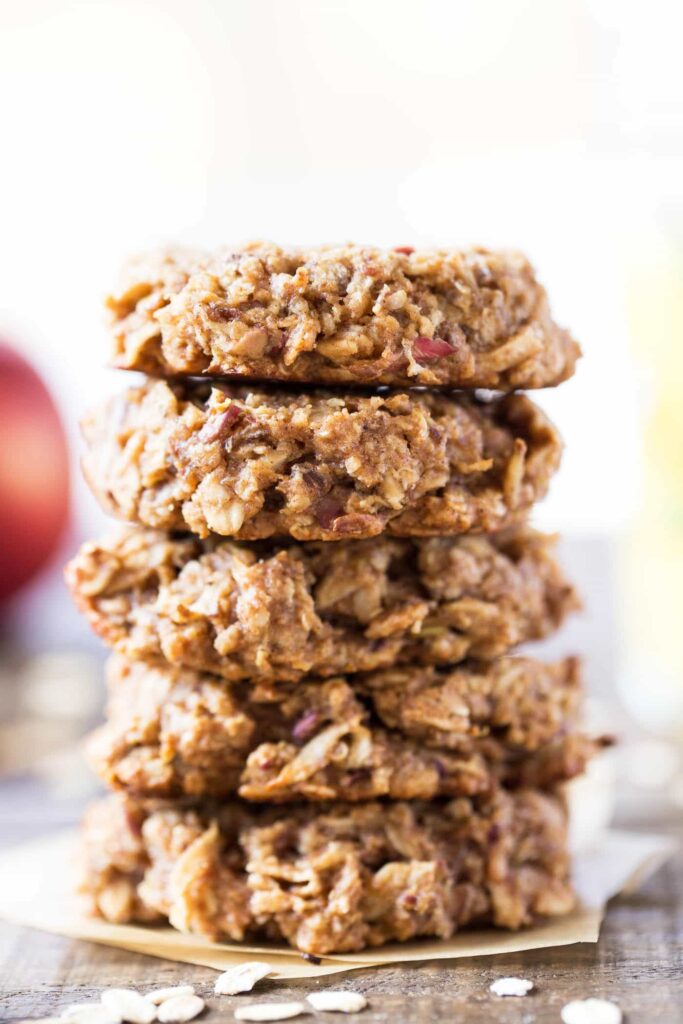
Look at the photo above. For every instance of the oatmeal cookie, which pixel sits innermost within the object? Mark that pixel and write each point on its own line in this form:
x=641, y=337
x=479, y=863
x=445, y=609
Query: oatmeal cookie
x=411, y=734
x=279, y=611
x=317, y=466
x=345, y=315
x=332, y=878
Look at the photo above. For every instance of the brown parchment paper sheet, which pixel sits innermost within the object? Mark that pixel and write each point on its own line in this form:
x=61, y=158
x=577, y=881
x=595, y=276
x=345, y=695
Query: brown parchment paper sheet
x=37, y=890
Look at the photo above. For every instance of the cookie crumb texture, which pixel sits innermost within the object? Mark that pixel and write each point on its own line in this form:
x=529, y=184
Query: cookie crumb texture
x=344, y=315
x=330, y=879
x=317, y=466
x=280, y=611
x=402, y=734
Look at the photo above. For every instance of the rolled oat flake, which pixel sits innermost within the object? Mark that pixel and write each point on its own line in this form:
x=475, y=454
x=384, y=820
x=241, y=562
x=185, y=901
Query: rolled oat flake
x=591, y=1011
x=511, y=987
x=241, y=978
x=180, y=1009
x=90, y=1013
x=338, y=1002
x=128, y=1005
x=269, y=1011
x=160, y=995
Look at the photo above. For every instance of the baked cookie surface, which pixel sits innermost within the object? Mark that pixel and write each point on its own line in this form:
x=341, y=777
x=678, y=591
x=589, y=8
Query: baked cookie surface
x=332, y=878
x=280, y=611
x=345, y=315
x=252, y=464
x=401, y=734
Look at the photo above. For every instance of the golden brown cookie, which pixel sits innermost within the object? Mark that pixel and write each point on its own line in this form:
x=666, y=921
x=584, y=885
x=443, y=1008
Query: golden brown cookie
x=317, y=465
x=415, y=733
x=329, y=879
x=346, y=315
x=280, y=611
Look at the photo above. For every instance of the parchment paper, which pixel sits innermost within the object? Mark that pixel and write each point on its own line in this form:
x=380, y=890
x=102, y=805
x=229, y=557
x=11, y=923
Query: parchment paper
x=37, y=890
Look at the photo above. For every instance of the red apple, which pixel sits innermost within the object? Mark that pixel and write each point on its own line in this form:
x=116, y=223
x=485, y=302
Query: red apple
x=34, y=473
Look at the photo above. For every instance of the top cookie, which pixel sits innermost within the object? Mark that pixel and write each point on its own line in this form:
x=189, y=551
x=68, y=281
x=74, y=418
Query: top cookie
x=344, y=315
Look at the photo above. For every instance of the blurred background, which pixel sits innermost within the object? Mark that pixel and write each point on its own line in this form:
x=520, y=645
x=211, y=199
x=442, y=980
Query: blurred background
x=556, y=128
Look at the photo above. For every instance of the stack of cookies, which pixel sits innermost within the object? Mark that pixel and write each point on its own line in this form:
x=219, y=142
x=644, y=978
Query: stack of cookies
x=315, y=729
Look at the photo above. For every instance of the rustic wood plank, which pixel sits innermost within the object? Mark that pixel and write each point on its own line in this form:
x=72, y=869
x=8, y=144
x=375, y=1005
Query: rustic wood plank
x=638, y=963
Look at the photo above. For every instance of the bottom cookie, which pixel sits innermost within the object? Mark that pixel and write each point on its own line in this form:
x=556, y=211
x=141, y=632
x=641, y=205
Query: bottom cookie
x=336, y=878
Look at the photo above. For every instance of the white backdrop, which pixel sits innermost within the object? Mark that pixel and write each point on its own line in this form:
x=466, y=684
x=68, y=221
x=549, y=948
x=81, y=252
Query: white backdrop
x=553, y=127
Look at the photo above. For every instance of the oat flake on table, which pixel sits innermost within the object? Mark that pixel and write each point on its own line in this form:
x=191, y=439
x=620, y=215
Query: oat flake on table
x=180, y=1009
x=160, y=995
x=337, y=1002
x=270, y=1011
x=128, y=1005
x=511, y=987
x=241, y=978
x=89, y=1013
x=591, y=1011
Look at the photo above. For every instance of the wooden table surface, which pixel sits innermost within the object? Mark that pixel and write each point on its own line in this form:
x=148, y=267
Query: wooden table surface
x=638, y=963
